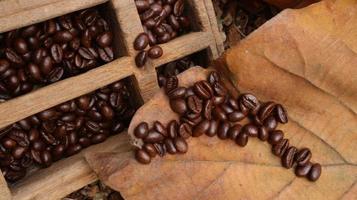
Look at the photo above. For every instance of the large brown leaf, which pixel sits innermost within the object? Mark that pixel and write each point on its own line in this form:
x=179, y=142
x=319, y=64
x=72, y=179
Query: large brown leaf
x=305, y=59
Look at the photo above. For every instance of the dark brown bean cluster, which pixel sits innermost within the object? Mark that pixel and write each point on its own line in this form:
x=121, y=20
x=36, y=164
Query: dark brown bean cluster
x=47, y=52
x=64, y=130
x=163, y=20
x=207, y=108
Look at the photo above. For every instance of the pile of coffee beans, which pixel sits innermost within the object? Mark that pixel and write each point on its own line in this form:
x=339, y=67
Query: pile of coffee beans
x=174, y=68
x=64, y=130
x=163, y=20
x=47, y=52
x=207, y=108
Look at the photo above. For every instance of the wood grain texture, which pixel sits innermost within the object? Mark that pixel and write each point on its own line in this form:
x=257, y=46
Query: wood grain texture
x=62, y=91
x=4, y=190
x=20, y=13
x=68, y=175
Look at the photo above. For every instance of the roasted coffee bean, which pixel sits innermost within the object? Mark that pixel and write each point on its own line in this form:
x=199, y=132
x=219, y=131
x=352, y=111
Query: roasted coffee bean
x=20, y=46
x=141, y=41
x=150, y=149
x=153, y=137
x=233, y=104
x=155, y=52
x=105, y=39
x=178, y=105
x=214, y=77
x=248, y=101
x=38, y=145
x=160, y=149
x=172, y=129
x=251, y=130
x=93, y=126
x=315, y=172
x=13, y=57
x=218, y=100
x=106, y=54
x=107, y=112
x=287, y=159
x=56, y=74
x=58, y=151
x=173, y=22
x=46, y=158
x=207, y=109
x=98, y=138
x=281, y=114
x=85, y=142
x=201, y=128
x=223, y=129
x=303, y=170
x=142, y=5
x=20, y=137
x=219, y=89
x=236, y=116
x=263, y=133
x=185, y=130
x=242, y=139
x=280, y=148
x=142, y=130
x=170, y=147
x=178, y=92
x=275, y=137
x=4, y=65
x=227, y=109
x=142, y=157
x=8, y=143
x=191, y=122
x=219, y=114
x=270, y=123
x=266, y=110
x=160, y=128
x=57, y=53
x=46, y=65
x=180, y=145
x=178, y=8
x=234, y=131
x=34, y=72
x=171, y=83
x=63, y=36
x=203, y=89
x=49, y=138
x=141, y=58
x=194, y=104
x=303, y=156
x=73, y=149
x=18, y=152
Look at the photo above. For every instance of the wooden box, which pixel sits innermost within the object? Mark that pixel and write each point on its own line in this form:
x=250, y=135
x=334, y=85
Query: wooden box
x=70, y=174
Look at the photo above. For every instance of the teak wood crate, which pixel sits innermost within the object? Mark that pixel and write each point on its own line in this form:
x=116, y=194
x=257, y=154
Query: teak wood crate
x=70, y=174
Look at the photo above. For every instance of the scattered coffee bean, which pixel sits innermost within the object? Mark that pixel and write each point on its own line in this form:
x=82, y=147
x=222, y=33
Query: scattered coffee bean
x=251, y=130
x=170, y=147
x=242, y=139
x=223, y=129
x=155, y=52
x=270, y=123
x=150, y=149
x=141, y=131
x=176, y=93
x=303, y=156
x=141, y=42
x=194, y=104
x=142, y=156
x=178, y=105
x=288, y=158
x=314, y=172
x=153, y=137
x=263, y=134
x=281, y=114
x=303, y=170
x=234, y=131
x=201, y=128
x=141, y=58
x=212, y=131
x=275, y=137
x=185, y=130
x=181, y=145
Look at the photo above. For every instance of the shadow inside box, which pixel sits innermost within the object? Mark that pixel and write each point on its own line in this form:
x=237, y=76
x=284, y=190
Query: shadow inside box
x=198, y=59
x=43, y=53
x=64, y=130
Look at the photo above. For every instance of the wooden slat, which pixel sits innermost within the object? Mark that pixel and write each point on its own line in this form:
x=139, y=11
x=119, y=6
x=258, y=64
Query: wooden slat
x=20, y=13
x=62, y=91
x=183, y=46
x=4, y=190
x=68, y=175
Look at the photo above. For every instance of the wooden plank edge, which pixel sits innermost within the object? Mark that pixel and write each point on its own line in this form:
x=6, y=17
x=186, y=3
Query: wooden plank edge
x=62, y=91
x=68, y=175
x=4, y=189
x=35, y=15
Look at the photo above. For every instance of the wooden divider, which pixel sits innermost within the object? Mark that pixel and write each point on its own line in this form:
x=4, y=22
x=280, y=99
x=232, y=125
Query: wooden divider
x=72, y=173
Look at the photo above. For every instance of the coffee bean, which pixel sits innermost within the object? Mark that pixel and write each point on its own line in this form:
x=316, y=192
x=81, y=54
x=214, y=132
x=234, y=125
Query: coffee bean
x=46, y=65
x=150, y=149
x=98, y=138
x=106, y=54
x=141, y=131
x=85, y=142
x=73, y=149
x=203, y=89
x=178, y=92
x=303, y=170
x=201, y=128
x=207, y=109
x=248, y=101
x=13, y=57
x=227, y=109
x=219, y=89
x=107, y=112
x=178, y=8
x=251, y=130
x=172, y=129
x=46, y=158
x=303, y=156
x=38, y=145
x=178, y=105
x=141, y=41
x=315, y=172
x=218, y=100
x=56, y=74
x=275, y=137
x=223, y=129
x=194, y=104
x=180, y=145
x=58, y=151
x=270, y=123
x=18, y=152
x=20, y=137
x=170, y=147
x=236, y=116
x=160, y=128
x=9, y=143
x=185, y=130
x=281, y=114
x=155, y=52
x=288, y=158
x=142, y=157
x=263, y=133
x=173, y=22
x=142, y=5
x=234, y=131
x=266, y=110
x=242, y=139
x=63, y=36
x=141, y=58
x=153, y=137
x=160, y=149
x=233, y=104
x=105, y=39
x=219, y=114
x=171, y=83
x=4, y=65
x=20, y=46
x=281, y=147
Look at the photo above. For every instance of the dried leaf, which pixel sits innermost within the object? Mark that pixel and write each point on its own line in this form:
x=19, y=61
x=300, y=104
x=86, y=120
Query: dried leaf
x=305, y=59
